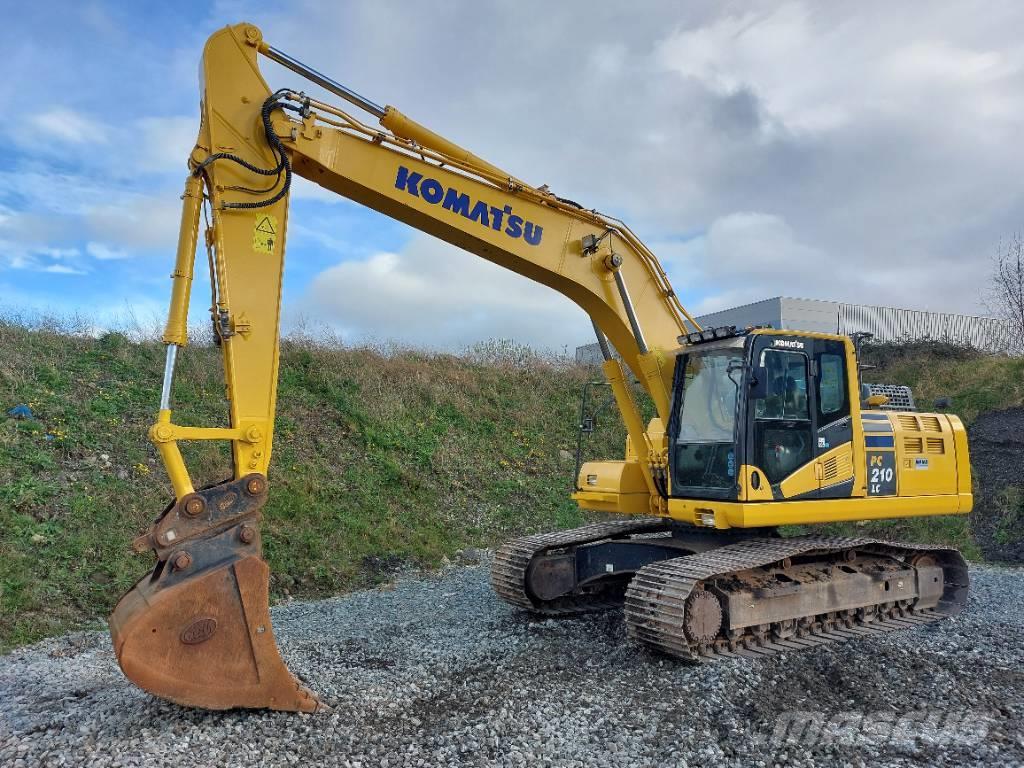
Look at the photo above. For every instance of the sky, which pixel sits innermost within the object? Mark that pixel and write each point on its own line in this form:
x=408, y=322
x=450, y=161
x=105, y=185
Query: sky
x=864, y=152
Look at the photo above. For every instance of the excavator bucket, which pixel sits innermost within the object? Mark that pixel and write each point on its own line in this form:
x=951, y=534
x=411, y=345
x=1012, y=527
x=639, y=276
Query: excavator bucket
x=196, y=630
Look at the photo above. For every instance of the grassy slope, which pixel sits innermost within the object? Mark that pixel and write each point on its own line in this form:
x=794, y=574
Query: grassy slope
x=379, y=460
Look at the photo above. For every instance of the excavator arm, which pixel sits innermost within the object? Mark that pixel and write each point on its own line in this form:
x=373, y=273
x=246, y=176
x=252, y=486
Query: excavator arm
x=406, y=172
x=196, y=630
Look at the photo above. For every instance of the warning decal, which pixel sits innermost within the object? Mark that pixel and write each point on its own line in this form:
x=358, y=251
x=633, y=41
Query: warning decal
x=264, y=233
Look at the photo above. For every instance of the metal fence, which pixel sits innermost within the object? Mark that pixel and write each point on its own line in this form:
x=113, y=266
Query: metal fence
x=900, y=325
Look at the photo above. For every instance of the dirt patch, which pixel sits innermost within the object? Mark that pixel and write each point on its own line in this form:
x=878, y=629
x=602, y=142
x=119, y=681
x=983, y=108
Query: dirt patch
x=997, y=459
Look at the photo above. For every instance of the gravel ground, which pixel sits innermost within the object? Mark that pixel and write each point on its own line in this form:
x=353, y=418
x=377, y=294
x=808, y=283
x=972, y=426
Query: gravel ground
x=434, y=670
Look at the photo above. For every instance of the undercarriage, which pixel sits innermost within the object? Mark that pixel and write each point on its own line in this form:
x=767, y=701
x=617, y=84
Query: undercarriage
x=700, y=595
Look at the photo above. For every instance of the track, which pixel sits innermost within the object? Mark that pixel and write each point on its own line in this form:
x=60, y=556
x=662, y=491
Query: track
x=661, y=595
x=679, y=606
x=508, y=573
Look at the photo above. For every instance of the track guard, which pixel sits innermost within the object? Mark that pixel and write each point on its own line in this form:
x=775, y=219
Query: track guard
x=196, y=630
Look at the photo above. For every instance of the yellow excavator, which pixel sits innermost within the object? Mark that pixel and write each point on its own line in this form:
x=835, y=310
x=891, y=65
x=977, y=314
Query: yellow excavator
x=755, y=428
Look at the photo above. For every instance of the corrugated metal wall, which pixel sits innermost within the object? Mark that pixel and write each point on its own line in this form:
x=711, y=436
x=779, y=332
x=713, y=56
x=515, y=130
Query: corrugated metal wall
x=886, y=323
x=766, y=312
x=891, y=324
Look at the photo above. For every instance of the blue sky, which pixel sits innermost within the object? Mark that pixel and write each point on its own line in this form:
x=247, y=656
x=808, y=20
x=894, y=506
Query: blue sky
x=91, y=189
x=867, y=154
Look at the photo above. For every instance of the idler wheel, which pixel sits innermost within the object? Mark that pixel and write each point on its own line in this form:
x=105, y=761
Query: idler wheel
x=703, y=617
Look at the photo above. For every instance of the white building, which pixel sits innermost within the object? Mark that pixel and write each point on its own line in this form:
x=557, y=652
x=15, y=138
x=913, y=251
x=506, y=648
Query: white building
x=886, y=323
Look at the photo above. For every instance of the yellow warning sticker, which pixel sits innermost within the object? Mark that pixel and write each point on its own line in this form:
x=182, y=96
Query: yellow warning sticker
x=264, y=233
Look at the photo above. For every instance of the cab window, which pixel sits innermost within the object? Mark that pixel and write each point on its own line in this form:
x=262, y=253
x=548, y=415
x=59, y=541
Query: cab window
x=833, y=403
x=783, y=437
x=786, y=386
x=704, y=449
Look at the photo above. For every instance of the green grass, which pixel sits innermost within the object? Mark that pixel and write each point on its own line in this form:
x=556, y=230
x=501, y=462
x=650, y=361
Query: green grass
x=379, y=460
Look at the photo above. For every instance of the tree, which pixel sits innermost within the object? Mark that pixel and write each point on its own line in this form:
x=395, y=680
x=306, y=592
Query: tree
x=1005, y=295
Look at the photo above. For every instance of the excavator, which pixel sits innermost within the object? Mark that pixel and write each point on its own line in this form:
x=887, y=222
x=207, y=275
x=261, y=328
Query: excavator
x=754, y=428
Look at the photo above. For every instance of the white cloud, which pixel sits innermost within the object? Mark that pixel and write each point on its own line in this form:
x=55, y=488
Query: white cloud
x=435, y=295
x=304, y=189
x=58, y=206
x=162, y=144
x=69, y=126
x=817, y=68
x=19, y=255
x=104, y=252
x=138, y=222
x=59, y=253
x=748, y=256
x=63, y=269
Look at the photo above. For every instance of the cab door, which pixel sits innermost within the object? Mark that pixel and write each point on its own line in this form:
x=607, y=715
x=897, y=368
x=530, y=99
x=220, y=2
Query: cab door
x=781, y=435
x=833, y=437
x=799, y=428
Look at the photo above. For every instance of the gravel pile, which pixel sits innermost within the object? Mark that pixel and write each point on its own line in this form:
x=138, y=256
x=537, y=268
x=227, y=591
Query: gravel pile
x=436, y=671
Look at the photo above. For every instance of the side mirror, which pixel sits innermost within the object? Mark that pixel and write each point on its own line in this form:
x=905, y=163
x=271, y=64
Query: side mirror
x=758, y=382
x=942, y=403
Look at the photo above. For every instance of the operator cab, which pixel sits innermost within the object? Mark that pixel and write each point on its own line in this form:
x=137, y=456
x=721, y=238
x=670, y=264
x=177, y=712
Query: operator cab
x=757, y=404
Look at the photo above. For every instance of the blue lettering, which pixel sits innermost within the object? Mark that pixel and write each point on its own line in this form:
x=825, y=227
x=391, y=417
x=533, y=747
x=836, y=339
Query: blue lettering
x=497, y=214
x=432, y=191
x=456, y=202
x=515, y=226
x=533, y=233
x=479, y=213
x=408, y=181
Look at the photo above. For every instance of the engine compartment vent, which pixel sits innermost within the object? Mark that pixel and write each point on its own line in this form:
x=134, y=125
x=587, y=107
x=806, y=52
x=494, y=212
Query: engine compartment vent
x=913, y=445
x=908, y=423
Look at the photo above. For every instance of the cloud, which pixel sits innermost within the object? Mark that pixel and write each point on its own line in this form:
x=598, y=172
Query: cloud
x=39, y=258
x=304, y=189
x=69, y=126
x=434, y=295
x=59, y=253
x=63, y=269
x=751, y=256
x=42, y=207
x=163, y=144
x=147, y=222
x=104, y=252
x=864, y=153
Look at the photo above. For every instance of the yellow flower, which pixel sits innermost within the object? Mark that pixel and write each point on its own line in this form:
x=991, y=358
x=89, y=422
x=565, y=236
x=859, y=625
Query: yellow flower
x=141, y=468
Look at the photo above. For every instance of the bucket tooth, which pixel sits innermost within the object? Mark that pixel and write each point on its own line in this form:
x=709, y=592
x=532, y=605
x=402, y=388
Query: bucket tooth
x=196, y=630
